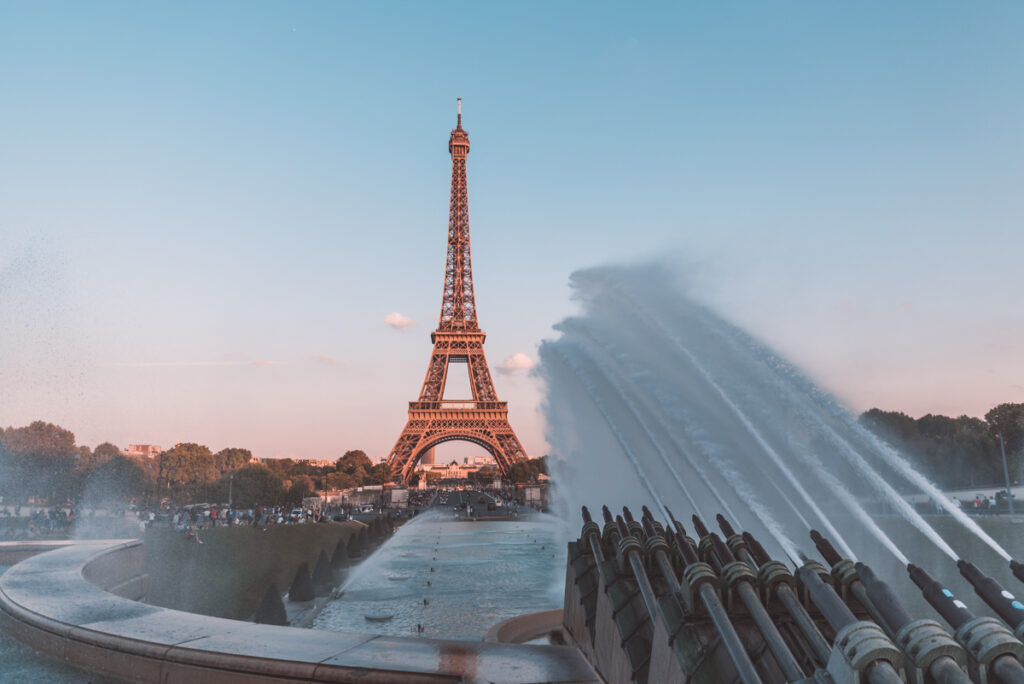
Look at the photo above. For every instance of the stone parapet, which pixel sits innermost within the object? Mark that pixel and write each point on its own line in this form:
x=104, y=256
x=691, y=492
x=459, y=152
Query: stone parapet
x=49, y=603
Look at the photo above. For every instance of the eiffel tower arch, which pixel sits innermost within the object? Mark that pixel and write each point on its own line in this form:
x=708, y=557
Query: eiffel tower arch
x=482, y=420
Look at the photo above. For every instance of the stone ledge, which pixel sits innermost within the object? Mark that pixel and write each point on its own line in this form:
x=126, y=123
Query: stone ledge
x=46, y=602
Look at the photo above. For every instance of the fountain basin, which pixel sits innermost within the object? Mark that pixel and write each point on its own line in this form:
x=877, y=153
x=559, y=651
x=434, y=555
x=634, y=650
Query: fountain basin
x=60, y=602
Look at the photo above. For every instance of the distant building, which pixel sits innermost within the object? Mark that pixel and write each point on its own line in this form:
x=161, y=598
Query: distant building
x=451, y=471
x=312, y=462
x=142, y=450
x=316, y=463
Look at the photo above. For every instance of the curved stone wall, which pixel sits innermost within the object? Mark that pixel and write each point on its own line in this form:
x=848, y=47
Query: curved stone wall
x=61, y=603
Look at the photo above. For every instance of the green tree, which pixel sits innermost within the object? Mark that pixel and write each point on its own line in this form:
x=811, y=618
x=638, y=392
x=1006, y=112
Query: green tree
x=89, y=461
x=117, y=480
x=39, y=460
x=187, y=466
x=1008, y=420
x=339, y=480
x=378, y=474
x=892, y=425
x=302, y=486
x=228, y=460
x=254, y=485
x=353, y=461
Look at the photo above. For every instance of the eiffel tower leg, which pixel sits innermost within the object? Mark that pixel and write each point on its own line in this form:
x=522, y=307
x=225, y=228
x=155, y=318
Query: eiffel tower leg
x=401, y=461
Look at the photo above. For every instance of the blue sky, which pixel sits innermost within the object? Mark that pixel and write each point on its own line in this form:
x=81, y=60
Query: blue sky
x=207, y=210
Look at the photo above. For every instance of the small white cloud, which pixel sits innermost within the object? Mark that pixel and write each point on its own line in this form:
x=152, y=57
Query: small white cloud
x=397, y=320
x=517, y=362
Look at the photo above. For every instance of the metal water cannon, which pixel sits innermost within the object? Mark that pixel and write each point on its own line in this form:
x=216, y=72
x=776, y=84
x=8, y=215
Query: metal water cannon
x=733, y=540
x=928, y=646
x=779, y=583
x=742, y=584
x=995, y=651
x=635, y=527
x=1017, y=569
x=658, y=527
x=704, y=546
x=610, y=533
x=847, y=583
x=629, y=552
x=592, y=534
x=825, y=548
x=1005, y=604
x=861, y=649
x=699, y=590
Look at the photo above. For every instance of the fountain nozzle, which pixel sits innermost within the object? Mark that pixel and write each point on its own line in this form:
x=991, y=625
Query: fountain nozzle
x=607, y=514
x=1018, y=570
x=756, y=550
x=825, y=548
x=992, y=592
x=586, y=515
x=725, y=526
x=941, y=599
x=699, y=527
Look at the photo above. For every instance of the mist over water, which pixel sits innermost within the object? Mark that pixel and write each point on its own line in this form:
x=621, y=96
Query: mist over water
x=654, y=398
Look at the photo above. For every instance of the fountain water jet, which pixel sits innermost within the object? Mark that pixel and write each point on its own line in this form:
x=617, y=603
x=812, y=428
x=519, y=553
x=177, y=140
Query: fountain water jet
x=686, y=394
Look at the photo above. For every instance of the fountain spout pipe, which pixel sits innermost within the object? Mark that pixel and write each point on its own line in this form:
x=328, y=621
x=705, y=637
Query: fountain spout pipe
x=992, y=592
x=716, y=611
x=593, y=537
x=839, y=616
x=844, y=571
x=974, y=633
x=1018, y=570
x=629, y=553
x=758, y=558
x=662, y=560
x=927, y=635
x=740, y=578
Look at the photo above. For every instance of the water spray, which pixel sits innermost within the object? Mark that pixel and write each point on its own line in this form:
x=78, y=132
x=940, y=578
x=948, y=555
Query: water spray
x=580, y=375
x=647, y=409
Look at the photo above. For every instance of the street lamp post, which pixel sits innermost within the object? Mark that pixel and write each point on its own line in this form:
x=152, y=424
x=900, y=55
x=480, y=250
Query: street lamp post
x=231, y=488
x=1006, y=473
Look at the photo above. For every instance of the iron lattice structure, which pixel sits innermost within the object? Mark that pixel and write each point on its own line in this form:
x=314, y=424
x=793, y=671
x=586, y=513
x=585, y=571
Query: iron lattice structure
x=482, y=420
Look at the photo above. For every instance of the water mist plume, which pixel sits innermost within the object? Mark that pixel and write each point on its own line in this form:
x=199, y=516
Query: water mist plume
x=646, y=387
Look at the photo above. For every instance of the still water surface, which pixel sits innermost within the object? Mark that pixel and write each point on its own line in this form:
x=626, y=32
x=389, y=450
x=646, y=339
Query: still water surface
x=483, y=573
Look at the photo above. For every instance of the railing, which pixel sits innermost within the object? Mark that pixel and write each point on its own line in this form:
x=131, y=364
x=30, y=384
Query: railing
x=460, y=405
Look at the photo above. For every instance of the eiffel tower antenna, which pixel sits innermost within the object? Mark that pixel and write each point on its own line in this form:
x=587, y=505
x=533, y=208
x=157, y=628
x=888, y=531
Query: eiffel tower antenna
x=482, y=420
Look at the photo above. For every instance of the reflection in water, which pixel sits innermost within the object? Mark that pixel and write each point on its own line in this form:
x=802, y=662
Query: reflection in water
x=483, y=572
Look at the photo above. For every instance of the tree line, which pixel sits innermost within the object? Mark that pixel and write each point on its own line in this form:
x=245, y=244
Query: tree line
x=41, y=462
x=956, y=453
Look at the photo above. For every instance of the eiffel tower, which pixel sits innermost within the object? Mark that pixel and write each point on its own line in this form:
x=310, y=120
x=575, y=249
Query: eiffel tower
x=482, y=420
